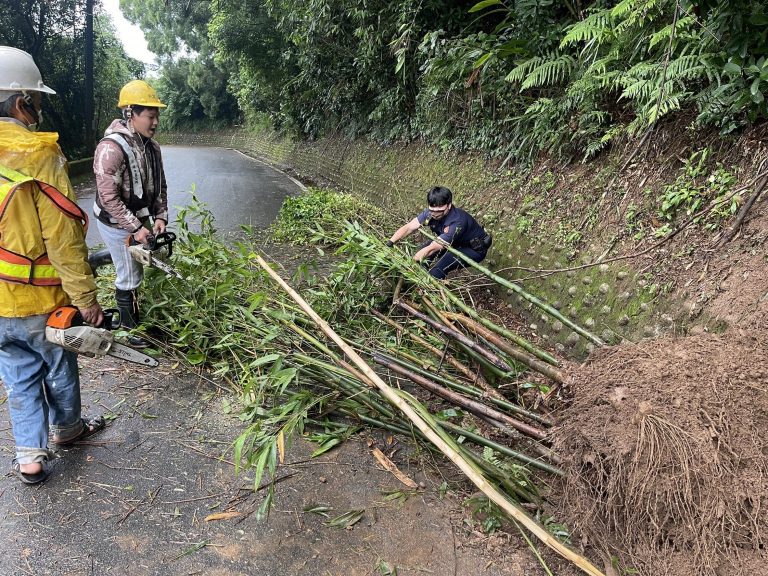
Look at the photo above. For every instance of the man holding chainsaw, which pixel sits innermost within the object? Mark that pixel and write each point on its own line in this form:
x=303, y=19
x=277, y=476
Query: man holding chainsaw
x=42, y=266
x=131, y=192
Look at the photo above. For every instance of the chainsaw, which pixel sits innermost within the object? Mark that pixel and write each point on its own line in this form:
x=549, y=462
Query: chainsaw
x=65, y=327
x=146, y=254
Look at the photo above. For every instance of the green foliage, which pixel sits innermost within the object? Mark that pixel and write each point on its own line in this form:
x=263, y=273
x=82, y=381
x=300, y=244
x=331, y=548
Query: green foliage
x=195, y=91
x=557, y=529
x=192, y=83
x=694, y=188
x=486, y=513
x=512, y=79
x=318, y=209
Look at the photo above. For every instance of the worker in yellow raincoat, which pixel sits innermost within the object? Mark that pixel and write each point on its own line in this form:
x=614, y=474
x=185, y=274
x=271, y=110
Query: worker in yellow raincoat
x=43, y=265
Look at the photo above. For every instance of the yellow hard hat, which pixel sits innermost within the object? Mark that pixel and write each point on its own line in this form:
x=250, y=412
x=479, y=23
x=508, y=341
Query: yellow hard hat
x=140, y=93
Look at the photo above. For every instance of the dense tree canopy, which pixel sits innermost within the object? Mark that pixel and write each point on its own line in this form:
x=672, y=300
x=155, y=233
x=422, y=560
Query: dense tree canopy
x=192, y=83
x=53, y=32
x=512, y=77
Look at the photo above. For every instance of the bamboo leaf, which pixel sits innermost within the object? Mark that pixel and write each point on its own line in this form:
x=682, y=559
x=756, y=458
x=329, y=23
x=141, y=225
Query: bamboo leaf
x=281, y=446
x=347, y=520
x=319, y=509
x=483, y=4
x=326, y=446
x=390, y=466
x=222, y=516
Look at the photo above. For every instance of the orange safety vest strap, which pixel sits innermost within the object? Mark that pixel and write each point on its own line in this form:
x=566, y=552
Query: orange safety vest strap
x=19, y=269
x=63, y=203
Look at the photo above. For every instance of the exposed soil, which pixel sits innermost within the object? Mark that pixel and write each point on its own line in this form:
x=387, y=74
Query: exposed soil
x=667, y=454
x=665, y=441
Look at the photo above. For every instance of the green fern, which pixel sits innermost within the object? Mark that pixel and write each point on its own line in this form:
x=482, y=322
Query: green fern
x=522, y=70
x=594, y=30
x=540, y=71
x=681, y=30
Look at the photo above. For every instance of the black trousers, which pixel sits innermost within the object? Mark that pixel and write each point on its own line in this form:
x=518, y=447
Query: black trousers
x=445, y=262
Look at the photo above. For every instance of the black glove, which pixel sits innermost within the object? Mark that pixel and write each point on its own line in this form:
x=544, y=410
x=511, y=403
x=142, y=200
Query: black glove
x=389, y=243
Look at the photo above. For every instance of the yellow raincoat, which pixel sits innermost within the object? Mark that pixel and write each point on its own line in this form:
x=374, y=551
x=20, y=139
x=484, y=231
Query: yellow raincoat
x=32, y=225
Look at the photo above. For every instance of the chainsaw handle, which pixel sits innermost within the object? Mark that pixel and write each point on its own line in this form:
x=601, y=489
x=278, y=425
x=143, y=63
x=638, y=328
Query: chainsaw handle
x=163, y=239
x=156, y=242
x=69, y=316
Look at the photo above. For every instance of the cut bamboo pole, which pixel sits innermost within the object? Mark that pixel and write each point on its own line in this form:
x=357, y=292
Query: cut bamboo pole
x=445, y=445
x=501, y=331
x=483, y=441
x=476, y=378
x=519, y=355
x=457, y=399
x=502, y=403
x=458, y=336
x=517, y=289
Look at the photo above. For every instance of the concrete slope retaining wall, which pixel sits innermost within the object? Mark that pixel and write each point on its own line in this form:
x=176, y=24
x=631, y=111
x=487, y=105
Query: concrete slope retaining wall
x=612, y=301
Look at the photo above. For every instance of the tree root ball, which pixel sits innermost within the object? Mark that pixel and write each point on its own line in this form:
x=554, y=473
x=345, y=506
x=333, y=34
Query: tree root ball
x=666, y=453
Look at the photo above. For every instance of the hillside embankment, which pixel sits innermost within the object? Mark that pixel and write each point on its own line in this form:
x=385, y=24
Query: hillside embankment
x=662, y=438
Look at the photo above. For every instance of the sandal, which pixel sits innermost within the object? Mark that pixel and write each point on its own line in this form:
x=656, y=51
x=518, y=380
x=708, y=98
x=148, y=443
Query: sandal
x=90, y=427
x=31, y=479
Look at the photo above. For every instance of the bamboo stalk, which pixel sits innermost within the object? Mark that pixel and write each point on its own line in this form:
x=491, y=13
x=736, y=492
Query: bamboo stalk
x=517, y=289
x=483, y=441
x=476, y=392
x=450, y=358
x=532, y=363
x=458, y=336
x=468, y=404
x=323, y=348
x=536, y=447
x=501, y=331
x=445, y=444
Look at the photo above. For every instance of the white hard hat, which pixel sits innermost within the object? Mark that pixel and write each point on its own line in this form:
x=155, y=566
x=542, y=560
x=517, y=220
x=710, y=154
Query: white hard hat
x=19, y=73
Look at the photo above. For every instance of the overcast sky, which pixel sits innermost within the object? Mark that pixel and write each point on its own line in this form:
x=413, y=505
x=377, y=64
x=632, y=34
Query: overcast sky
x=130, y=35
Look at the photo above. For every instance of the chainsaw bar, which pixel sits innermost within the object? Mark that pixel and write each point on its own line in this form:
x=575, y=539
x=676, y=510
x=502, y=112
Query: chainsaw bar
x=144, y=256
x=127, y=353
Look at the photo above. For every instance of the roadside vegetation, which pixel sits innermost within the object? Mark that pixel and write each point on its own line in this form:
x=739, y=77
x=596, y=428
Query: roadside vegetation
x=512, y=79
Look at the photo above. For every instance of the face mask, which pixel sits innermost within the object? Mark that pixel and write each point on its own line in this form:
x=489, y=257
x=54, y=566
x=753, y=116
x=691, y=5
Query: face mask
x=29, y=108
x=35, y=126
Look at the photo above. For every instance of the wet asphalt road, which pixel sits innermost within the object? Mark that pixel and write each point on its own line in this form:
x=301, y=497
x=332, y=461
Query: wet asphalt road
x=237, y=189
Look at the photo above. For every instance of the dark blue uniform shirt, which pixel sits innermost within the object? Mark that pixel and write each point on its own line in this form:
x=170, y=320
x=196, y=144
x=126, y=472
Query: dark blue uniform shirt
x=457, y=227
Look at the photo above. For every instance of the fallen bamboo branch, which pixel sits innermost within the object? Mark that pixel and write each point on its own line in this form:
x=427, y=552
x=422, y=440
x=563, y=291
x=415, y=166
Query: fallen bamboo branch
x=483, y=441
x=457, y=399
x=501, y=331
x=476, y=378
x=458, y=336
x=518, y=290
x=446, y=445
x=501, y=403
x=520, y=356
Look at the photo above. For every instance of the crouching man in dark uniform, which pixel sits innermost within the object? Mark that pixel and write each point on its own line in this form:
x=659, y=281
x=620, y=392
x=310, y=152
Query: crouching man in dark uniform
x=452, y=225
